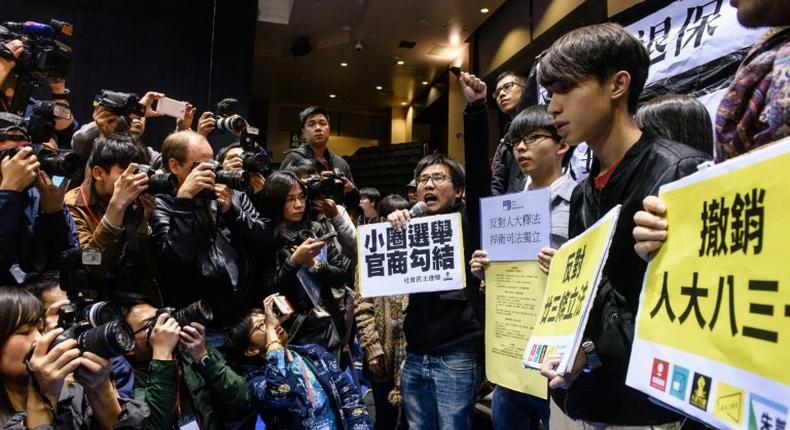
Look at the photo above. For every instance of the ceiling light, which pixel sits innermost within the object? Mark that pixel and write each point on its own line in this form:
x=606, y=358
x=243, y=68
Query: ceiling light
x=403, y=103
x=425, y=82
x=343, y=64
x=484, y=10
x=400, y=62
x=331, y=96
x=379, y=87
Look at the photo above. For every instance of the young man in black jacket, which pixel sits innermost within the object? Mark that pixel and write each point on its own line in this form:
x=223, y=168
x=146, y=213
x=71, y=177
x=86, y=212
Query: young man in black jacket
x=444, y=330
x=210, y=248
x=595, y=75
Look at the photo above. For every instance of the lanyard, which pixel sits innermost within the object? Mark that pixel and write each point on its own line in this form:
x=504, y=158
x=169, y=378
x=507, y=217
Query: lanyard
x=88, y=206
x=307, y=383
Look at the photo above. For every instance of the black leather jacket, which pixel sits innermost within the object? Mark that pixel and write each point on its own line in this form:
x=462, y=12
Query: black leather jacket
x=601, y=395
x=196, y=244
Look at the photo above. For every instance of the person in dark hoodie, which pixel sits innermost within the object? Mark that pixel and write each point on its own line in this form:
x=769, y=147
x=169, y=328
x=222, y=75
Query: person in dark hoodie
x=444, y=330
x=315, y=129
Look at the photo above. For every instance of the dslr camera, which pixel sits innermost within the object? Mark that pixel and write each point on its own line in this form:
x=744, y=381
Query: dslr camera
x=326, y=187
x=227, y=119
x=158, y=183
x=55, y=162
x=235, y=179
x=199, y=312
x=96, y=326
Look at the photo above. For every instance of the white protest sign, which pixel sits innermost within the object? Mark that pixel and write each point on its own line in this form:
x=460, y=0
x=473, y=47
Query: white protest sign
x=426, y=256
x=515, y=227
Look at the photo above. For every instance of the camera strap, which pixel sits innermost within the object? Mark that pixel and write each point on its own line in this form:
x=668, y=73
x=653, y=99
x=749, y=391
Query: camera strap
x=88, y=206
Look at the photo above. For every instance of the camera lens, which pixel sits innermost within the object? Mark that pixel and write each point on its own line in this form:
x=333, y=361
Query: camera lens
x=108, y=340
x=103, y=312
x=233, y=123
x=162, y=183
x=199, y=312
x=56, y=163
x=234, y=179
x=255, y=162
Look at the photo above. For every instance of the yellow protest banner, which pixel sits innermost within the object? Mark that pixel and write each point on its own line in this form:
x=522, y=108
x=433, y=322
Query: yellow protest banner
x=514, y=293
x=713, y=328
x=572, y=283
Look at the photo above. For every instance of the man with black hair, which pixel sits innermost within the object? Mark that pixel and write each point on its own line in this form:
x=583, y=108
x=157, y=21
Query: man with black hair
x=35, y=225
x=506, y=177
x=368, y=199
x=183, y=380
x=111, y=200
x=444, y=330
x=315, y=128
x=595, y=75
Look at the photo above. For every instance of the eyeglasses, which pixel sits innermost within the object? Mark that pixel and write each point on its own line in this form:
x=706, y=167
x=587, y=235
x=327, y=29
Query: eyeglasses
x=532, y=139
x=437, y=178
x=506, y=88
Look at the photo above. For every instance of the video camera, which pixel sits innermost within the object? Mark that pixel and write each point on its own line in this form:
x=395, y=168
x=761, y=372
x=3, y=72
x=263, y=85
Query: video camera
x=158, y=183
x=121, y=104
x=43, y=56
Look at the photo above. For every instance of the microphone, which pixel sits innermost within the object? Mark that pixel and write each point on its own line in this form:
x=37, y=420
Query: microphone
x=419, y=209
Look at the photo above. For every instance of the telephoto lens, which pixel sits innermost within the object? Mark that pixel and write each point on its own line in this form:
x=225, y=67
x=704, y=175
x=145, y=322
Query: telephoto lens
x=256, y=162
x=159, y=183
x=58, y=162
x=101, y=313
x=199, y=312
x=107, y=340
x=233, y=123
x=234, y=179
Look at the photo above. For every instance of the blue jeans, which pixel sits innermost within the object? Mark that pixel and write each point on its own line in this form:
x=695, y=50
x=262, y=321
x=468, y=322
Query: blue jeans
x=511, y=410
x=439, y=390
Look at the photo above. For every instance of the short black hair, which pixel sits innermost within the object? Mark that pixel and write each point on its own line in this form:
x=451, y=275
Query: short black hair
x=127, y=300
x=457, y=174
x=529, y=120
x=369, y=193
x=302, y=167
x=40, y=283
x=598, y=51
x=512, y=73
x=118, y=150
x=390, y=204
x=222, y=153
x=237, y=334
x=312, y=110
x=678, y=117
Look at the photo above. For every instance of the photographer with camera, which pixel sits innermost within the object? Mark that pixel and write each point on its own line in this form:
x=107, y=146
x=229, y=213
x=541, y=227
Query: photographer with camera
x=315, y=128
x=255, y=163
x=183, y=380
x=35, y=391
x=209, y=236
x=111, y=210
x=307, y=271
x=35, y=225
x=292, y=386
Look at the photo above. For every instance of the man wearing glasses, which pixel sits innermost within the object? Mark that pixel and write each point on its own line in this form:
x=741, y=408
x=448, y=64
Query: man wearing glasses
x=506, y=177
x=443, y=330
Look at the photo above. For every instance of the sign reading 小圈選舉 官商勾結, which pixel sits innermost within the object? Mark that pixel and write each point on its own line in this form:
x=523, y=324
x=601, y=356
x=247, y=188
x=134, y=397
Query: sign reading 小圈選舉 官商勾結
x=427, y=255
x=713, y=328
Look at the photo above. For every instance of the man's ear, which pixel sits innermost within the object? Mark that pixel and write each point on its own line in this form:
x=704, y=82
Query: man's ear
x=96, y=173
x=459, y=192
x=620, y=85
x=564, y=148
x=172, y=164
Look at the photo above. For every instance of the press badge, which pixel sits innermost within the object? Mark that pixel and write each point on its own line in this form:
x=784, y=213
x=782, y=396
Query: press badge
x=188, y=423
x=91, y=256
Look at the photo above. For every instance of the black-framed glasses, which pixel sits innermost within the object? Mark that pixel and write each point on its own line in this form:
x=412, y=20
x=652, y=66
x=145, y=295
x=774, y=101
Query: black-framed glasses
x=506, y=88
x=437, y=178
x=532, y=139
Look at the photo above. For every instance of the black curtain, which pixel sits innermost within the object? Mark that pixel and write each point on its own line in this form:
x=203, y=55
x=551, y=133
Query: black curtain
x=163, y=45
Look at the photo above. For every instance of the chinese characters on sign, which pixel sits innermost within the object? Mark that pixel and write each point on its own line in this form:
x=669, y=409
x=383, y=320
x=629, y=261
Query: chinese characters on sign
x=426, y=256
x=515, y=227
x=573, y=280
x=715, y=304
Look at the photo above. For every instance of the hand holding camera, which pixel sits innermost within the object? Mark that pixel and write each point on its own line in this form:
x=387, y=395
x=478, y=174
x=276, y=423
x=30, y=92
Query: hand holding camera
x=127, y=188
x=206, y=123
x=193, y=337
x=93, y=372
x=200, y=178
x=20, y=170
x=106, y=120
x=164, y=337
x=50, y=367
x=147, y=100
x=304, y=254
x=12, y=49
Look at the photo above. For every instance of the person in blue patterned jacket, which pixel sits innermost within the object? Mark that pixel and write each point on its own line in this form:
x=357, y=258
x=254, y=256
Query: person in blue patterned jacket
x=292, y=386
